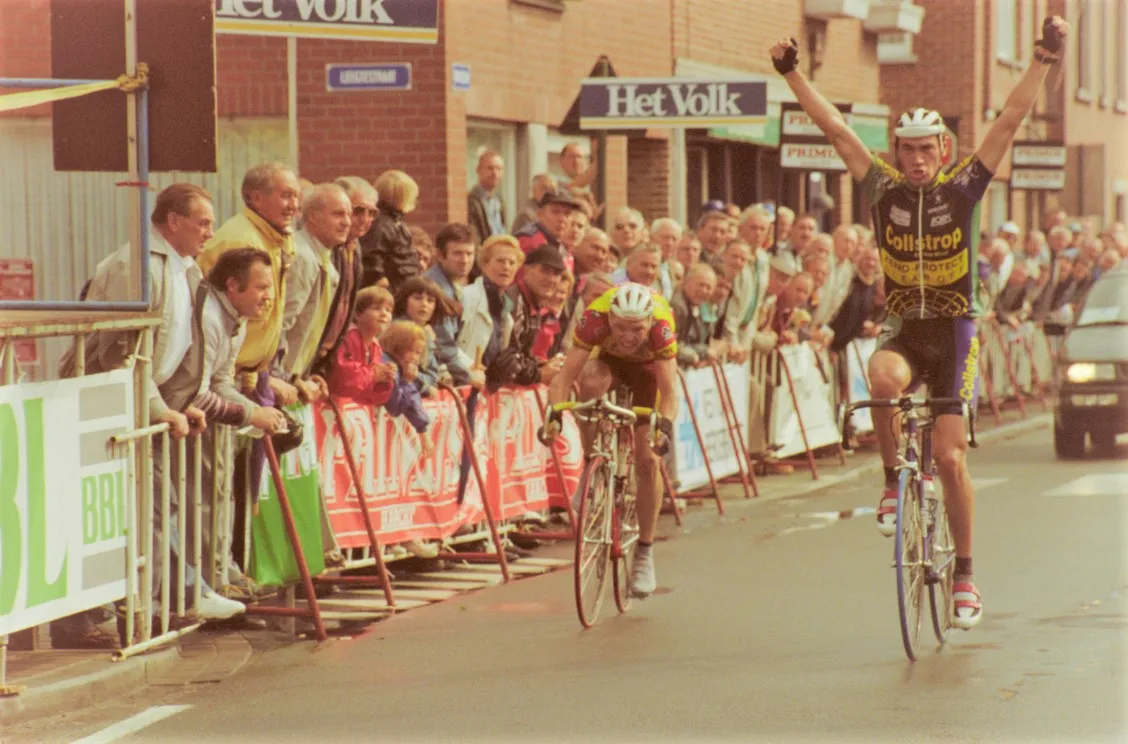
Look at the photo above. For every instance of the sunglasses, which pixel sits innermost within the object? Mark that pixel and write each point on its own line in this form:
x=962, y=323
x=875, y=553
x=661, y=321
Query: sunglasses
x=627, y=226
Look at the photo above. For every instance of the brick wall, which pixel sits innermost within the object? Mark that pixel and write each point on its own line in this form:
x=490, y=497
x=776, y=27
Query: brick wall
x=648, y=181
x=250, y=75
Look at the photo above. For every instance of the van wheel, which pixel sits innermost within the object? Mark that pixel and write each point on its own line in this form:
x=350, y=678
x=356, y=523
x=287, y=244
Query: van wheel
x=1069, y=444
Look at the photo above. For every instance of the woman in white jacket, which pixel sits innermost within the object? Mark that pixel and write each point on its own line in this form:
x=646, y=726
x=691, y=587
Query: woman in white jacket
x=487, y=320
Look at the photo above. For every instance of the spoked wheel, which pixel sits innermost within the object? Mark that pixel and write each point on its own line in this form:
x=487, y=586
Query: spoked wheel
x=628, y=541
x=943, y=569
x=593, y=541
x=907, y=562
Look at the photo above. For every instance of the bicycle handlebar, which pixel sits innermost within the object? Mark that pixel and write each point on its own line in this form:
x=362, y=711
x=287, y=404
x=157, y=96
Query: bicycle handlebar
x=906, y=404
x=629, y=414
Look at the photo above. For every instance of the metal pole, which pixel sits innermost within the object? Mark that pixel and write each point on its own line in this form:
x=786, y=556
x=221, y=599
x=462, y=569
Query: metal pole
x=133, y=138
x=8, y=368
x=798, y=416
x=292, y=98
x=602, y=163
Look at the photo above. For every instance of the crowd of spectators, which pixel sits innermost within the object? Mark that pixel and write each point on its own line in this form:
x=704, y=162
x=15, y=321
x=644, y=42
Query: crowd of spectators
x=328, y=289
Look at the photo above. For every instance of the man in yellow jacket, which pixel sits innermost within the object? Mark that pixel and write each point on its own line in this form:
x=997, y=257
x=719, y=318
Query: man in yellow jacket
x=271, y=198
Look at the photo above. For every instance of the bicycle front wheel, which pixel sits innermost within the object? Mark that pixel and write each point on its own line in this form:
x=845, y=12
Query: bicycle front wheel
x=943, y=572
x=908, y=563
x=593, y=540
x=627, y=512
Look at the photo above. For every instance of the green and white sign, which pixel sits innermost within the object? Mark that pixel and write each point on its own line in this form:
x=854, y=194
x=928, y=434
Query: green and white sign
x=62, y=497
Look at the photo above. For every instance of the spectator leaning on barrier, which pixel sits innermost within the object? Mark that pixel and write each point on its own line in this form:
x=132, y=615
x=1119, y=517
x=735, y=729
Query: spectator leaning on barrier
x=853, y=319
x=358, y=371
x=542, y=183
x=688, y=251
x=666, y=233
x=693, y=316
x=784, y=221
x=455, y=252
x=1035, y=248
x=404, y=344
x=1011, y=303
x=420, y=301
x=592, y=252
x=1010, y=232
x=347, y=262
x=485, y=208
x=734, y=317
x=845, y=240
x=311, y=285
x=240, y=289
x=626, y=233
x=801, y=235
x=515, y=363
x=555, y=333
x=180, y=225
x=270, y=195
x=387, y=251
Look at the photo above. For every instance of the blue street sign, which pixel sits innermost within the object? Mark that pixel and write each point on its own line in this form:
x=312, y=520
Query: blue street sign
x=388, y=76
x=460, y=76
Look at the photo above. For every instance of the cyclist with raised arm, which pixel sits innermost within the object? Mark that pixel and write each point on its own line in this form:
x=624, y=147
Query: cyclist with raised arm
x=926, y=224
x=633, y=328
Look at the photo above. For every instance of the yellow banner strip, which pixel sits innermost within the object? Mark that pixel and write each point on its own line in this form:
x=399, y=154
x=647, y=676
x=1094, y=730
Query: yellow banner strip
x=24, y=99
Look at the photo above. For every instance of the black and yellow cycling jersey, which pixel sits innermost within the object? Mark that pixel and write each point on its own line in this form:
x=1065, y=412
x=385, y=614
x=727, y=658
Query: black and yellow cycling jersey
x=929, y=239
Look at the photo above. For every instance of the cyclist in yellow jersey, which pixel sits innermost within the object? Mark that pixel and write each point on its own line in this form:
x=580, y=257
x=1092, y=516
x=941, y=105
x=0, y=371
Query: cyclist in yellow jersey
x=926, y=226
x=634, y=329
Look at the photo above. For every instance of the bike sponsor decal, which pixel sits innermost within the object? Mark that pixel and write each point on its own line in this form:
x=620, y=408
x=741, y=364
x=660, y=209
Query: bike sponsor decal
x=940, y=220
x=970, y=373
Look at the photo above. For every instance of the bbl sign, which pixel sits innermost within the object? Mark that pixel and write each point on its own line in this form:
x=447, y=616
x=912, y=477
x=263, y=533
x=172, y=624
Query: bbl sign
x=62, y=497
x=637, y=103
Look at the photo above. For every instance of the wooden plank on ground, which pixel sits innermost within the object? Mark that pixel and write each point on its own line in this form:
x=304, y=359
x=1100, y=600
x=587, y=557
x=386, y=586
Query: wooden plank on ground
x=456, y=586
x=455, y=575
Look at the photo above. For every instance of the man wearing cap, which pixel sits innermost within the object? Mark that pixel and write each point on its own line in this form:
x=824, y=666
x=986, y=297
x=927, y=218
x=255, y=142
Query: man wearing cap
x=1009, y=232
x=554, y=211
x=529, y=295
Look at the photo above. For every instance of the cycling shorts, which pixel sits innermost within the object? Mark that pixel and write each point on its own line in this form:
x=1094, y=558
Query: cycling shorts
x=942, y=353
x=640, y=378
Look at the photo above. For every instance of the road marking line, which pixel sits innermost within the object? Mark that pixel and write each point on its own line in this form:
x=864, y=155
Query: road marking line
x=132, y=725
x=982, y=484
x=1096, y=484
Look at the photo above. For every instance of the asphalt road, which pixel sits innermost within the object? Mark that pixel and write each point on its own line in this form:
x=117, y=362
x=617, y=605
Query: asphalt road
x=777, y=625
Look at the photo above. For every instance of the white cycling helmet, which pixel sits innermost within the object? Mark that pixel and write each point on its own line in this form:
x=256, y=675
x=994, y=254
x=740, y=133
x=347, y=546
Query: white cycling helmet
x=633, y=302
x=920, y=122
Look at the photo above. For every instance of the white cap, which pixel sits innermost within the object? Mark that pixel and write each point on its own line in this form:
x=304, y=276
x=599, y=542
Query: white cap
x=1011, y=228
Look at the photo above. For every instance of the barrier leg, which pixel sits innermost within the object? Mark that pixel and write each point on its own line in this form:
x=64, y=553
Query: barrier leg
x=799, y=417
x=1011, y=375
x=736, y=436
x=1036, y=386
x=468, y=443
x=987, y=374
x=701, y=441
x=354, y=473
x=314, y=610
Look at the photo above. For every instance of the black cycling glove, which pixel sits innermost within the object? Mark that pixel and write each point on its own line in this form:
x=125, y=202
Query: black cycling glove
x=1052, y=39
x=790, y=59
x=666, y=429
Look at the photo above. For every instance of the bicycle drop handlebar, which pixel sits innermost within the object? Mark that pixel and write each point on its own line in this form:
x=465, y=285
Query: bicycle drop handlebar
x=906, y=404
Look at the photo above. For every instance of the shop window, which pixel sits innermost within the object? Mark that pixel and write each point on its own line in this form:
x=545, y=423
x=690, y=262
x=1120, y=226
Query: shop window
x=482, y=136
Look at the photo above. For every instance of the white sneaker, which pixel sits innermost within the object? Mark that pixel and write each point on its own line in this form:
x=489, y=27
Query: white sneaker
x=643, y=580
x=214, y=607
x=420, y=549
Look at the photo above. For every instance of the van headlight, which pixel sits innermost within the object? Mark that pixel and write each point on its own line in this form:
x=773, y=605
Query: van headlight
x=1089, y=372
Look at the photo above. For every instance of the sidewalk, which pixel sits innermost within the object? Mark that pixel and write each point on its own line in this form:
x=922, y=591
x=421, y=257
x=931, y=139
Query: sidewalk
x=59, y=682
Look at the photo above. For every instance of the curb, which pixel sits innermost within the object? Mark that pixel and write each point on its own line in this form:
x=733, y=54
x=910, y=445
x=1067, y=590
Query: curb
x=1002, y=433
x=116, y=679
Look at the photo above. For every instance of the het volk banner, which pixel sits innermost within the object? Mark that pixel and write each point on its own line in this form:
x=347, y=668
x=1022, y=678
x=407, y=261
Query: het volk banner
x=410, y=497
x=62, y=497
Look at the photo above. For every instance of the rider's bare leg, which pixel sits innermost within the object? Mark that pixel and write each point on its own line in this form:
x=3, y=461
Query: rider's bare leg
x=648, y=496
x=889, y=377
x=949, y=452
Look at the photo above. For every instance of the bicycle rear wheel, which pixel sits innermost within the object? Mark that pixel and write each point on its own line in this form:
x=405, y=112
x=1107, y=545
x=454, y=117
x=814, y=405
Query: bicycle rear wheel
x=942, y=574
x=627, y=512
x=907, y=560
x=593, y=541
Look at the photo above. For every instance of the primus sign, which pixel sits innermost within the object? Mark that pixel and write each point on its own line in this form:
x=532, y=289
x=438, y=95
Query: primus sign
x=63, y=511
x=637, y=103
x=413, y=21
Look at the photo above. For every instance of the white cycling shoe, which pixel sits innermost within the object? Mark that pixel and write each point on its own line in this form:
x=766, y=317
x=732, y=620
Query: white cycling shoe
x=887, y=512
x=643, y=579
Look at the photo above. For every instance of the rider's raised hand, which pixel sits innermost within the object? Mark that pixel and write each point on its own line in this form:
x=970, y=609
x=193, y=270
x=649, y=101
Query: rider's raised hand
x=785, y=55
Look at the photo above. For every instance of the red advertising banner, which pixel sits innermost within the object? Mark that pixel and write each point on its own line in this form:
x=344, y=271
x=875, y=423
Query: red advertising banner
x=17, y=282
x=414, y=498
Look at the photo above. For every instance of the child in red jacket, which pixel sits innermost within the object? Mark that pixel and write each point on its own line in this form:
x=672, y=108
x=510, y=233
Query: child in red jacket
x=358, y=370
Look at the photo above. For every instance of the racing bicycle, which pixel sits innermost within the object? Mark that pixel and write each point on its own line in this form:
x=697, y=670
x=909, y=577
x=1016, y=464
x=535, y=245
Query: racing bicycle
x=606, y=516
x=923, y=551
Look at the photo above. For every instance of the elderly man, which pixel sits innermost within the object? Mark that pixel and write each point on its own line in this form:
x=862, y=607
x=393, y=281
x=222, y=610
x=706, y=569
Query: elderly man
x=1035, y=250
x=349, y=267
x=180, y=224
x=627, y=230
x=311, y=285
x=542, y=184
x=1011, y=306
x=578, y=167
x=485, y=207
x=516, y=363
x=755, y=226
x=1010, y=232
x=853, y=317
x=833, y=294
x=748, y=271
x=801, y=235
x=592, y=252
x=714, y=232
x=666, y=233
x=693, y=317
x=785, y=219
x=641, y=267
x=554, y=212
x=454, y=259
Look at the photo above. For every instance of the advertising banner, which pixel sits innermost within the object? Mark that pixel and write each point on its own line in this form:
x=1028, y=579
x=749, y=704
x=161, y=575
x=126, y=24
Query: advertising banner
x=409, y=21
x=812, y=397
x=706, y=400
x=632, y=103
x=63, y=497
x=857, y=355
